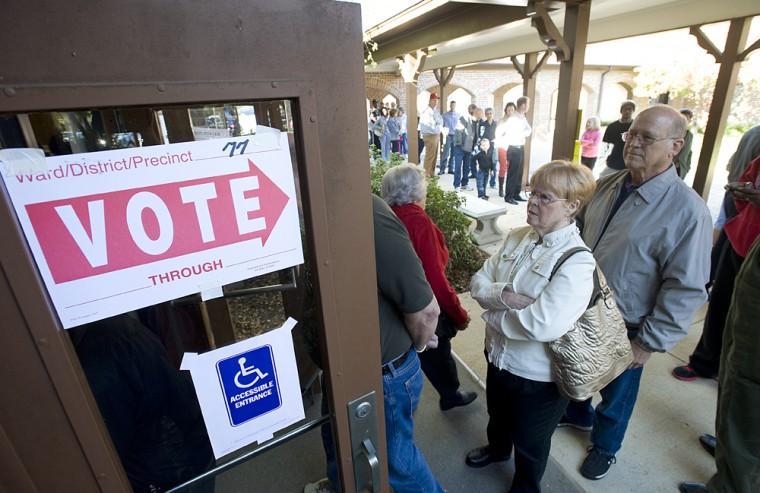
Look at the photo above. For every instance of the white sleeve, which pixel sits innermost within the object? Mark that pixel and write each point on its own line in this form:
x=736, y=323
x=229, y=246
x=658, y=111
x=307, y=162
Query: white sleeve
x=484, y=288
x=558, y=306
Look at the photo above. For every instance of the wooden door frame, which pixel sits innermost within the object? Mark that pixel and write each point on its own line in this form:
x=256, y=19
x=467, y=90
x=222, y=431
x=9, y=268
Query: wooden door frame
x=332, y=159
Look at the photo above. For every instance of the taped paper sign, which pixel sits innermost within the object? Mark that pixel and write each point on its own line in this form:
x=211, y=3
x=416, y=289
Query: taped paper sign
x=249, y=390
x=119, y=230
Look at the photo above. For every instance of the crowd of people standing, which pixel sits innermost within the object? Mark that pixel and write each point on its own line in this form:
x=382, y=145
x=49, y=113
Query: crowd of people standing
x=650, y=235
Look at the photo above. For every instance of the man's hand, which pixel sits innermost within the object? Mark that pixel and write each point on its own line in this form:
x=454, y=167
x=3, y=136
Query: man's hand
x=514, y=300
x=640, y=355
x=751, y=195
x=432, y=343
x=421, y=325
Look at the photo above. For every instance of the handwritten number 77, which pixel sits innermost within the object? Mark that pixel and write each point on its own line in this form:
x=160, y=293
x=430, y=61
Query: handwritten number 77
x=235, y=146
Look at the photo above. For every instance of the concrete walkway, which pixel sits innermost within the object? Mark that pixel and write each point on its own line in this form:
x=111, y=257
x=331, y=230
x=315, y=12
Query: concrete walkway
x=661, y=447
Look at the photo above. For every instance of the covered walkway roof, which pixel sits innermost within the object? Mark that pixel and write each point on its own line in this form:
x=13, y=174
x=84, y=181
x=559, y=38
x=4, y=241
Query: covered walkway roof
x=464, y=32
x=442, y=34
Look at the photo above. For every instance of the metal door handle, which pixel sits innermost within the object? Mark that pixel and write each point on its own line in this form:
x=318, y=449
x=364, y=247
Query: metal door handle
x=374, y=463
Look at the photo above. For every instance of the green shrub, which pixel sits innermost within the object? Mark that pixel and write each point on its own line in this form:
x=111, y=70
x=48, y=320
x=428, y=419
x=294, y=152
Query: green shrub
x=442, y=207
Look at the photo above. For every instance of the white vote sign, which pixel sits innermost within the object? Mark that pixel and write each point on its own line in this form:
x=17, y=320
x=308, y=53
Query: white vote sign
x=249, y=390
x=119, y=230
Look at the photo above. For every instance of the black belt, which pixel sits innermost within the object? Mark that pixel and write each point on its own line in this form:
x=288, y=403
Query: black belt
x=516, y=147
x=396, y=363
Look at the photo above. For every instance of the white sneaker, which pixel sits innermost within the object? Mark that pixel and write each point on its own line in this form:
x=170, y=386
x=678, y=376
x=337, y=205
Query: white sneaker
x=321, y=486
x=469, y=188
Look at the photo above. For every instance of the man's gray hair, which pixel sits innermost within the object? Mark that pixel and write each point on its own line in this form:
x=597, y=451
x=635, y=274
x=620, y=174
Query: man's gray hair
x=522, y=100
x=403, y=184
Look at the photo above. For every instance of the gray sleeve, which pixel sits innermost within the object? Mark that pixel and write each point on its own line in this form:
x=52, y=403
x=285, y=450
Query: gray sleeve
x=682, y=292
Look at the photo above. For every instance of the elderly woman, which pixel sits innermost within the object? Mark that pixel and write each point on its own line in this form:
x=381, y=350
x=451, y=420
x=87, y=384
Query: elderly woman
x=526, y=308
x=404, y=188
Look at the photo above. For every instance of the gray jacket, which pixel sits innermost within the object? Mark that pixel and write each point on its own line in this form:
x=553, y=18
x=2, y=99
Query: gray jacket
x=655, y=253
x=465, y=133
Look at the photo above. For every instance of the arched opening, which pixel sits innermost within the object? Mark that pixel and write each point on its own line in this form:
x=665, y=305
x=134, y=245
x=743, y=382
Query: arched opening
x=614, y=94
x=422, y=100
x=504, y=94
x=508, y=97
x=462, y=97
x=390, y=101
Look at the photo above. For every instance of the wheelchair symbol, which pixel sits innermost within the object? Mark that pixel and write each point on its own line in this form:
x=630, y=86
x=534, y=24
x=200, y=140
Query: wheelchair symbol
x=246, y=371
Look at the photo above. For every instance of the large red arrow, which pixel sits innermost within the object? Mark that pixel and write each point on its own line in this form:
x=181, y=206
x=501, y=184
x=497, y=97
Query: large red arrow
x=65, y=256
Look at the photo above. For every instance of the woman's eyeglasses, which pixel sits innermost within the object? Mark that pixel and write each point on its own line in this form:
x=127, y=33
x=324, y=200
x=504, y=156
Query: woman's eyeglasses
x=542, y=197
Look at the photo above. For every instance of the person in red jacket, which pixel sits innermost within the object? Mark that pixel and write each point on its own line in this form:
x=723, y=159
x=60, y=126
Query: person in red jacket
x=741, y=231
x=404, y=188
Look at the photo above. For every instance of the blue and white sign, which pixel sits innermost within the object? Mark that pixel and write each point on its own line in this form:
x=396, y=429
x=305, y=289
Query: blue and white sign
x=248, y=390
x=250, y=385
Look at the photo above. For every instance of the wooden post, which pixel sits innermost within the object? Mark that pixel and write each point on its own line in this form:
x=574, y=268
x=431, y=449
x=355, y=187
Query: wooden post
x=575, y=34
x=412, y=145
x=411, y=66
x=722, y=95
x=528, y=71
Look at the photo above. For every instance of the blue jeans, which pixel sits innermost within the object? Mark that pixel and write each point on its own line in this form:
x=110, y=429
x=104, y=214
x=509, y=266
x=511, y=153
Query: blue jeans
x=385, y=146
x=468, y=169
x=610, y=419
x=447, y=156
x=481, y=181
x=408, y=470
x=494, y=165
x=404, y=148
x=458, y=158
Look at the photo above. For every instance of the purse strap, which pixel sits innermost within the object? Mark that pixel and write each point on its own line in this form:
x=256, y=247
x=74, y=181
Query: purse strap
x=566, y=255
x=600, y=283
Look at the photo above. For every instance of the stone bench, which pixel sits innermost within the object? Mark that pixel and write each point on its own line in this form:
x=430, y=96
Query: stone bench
x=486, y=214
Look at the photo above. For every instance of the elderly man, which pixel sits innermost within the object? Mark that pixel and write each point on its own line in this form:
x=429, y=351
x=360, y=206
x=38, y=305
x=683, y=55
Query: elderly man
x=651, y=235
x=431, y=126
x=408, y=318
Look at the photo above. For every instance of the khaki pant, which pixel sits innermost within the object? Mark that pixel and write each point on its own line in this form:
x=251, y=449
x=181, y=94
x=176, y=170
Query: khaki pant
x=737, y=455
x=432, y=145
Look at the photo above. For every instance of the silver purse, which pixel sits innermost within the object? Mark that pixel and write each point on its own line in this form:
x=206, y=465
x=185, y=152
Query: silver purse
x=596, y=349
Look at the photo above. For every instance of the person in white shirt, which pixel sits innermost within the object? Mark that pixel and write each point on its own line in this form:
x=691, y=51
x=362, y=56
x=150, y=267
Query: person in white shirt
x=501, y=145
x=516, y=130
x=431, y=126
x=526, y=308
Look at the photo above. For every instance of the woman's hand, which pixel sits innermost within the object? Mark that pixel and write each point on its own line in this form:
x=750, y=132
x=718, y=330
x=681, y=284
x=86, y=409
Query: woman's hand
x=514, y=300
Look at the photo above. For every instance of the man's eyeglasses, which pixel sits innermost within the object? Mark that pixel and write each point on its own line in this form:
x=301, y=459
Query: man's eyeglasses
x=542, y=197
x=645, y=140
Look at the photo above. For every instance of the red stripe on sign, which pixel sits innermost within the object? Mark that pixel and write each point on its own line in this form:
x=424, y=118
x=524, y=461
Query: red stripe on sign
x=89, y=235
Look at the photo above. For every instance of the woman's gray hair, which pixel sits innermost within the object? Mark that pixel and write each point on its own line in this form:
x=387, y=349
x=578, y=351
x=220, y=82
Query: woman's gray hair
x=403, y=184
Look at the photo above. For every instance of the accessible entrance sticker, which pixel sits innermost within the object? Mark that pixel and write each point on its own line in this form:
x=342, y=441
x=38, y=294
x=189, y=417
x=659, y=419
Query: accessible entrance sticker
x=118, y=230
x=248, y=390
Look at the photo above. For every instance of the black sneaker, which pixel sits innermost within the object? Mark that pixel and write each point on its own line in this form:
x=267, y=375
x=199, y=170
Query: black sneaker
x=596, y=465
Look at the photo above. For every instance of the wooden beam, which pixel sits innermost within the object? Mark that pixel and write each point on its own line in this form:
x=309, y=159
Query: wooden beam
x=530, y=69
x=443, y=76
x=411, y=66
x=705, y=42
x=744, y=54
x=720, y=106
x=570, y=79
x=466, y=20
x=547, y=30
